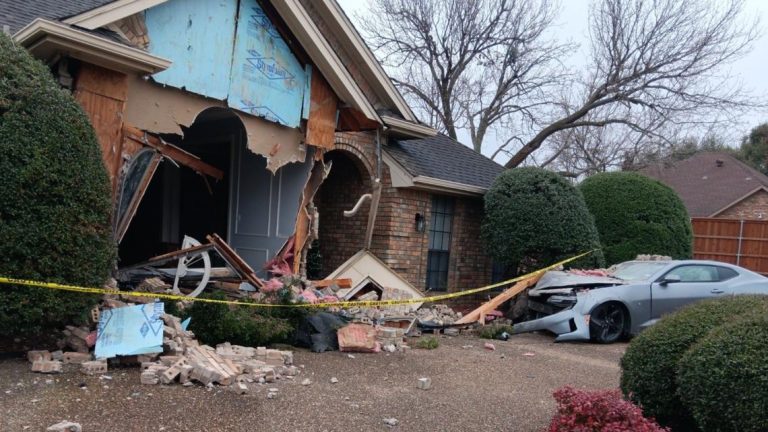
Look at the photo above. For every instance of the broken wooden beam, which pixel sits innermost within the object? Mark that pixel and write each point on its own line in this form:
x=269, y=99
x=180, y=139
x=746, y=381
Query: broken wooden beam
x=479, y=313
x=171, y=151
x=237, y=263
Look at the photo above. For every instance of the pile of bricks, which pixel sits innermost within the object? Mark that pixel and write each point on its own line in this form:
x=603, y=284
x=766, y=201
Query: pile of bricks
x=184, y=361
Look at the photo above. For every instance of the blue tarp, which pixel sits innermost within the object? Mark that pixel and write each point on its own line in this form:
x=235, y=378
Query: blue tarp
x=130, y=330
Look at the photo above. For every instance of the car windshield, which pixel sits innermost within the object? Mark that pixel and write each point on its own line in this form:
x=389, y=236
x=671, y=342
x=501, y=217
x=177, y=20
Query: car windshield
x=637, y=270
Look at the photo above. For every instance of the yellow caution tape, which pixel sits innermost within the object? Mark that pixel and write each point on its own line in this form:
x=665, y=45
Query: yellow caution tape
x=353, y=303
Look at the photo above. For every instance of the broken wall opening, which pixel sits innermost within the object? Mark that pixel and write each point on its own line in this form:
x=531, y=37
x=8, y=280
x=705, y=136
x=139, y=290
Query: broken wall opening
x=181, y=202
x=341, y=237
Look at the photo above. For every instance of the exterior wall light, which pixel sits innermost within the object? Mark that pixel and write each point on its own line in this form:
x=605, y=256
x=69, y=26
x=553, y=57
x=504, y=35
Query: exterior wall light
x=420, y=223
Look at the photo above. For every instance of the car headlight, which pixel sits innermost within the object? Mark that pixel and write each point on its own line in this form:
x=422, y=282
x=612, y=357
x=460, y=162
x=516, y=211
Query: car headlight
x=562, y=300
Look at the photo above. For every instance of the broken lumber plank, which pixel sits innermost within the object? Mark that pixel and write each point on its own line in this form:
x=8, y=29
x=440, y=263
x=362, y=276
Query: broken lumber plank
x=479, y=313
x=171, y=151
x=341, y=283
x=234, y=260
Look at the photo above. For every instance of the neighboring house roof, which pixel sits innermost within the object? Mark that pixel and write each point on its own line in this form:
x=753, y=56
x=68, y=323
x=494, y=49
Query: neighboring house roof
x=18, y=13
x=710, y=182
x=440, y=162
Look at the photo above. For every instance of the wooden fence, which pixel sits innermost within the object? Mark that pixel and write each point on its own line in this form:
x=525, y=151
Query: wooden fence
x=740, y=242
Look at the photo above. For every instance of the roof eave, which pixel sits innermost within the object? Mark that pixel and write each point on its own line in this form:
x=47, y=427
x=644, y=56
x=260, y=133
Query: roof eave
x=45, y=39
x=407, y=128
x=402, y=178
x=330, y=10
x=324, y=57
x=110, y=13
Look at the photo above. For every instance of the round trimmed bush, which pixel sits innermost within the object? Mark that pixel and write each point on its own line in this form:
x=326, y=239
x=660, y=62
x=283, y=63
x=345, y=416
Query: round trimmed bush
x=650, y=364
x=55, y=211
x=637, y=215
x=723, y=379
x=536, y=217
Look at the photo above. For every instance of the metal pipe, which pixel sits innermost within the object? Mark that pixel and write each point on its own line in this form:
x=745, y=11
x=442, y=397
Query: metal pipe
x=350, y=213
x=378, y=153
x=741, y=235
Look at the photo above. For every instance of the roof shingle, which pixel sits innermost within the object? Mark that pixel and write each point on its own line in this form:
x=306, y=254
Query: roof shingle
x=444, y=158
x=18, y=13
x=706, y=186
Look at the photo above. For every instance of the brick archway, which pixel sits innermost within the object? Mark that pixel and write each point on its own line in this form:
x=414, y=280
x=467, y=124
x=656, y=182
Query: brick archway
x=341, y=237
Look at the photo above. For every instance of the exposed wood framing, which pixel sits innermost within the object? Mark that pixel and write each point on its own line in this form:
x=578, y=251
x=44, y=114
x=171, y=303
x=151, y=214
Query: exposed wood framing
x=480, y=313
x=170, y=256
x=103, y=93
x=352, y=120
x=171, y=151
x=239, y=265
x=321, y=125
x=304, y=221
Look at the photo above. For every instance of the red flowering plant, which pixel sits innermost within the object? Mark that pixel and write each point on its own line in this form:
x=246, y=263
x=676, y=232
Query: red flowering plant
x=598, y=411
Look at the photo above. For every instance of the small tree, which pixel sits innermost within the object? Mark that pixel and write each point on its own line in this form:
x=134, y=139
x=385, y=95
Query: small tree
x=535, y=217
x=754, y=148
x=637, y=215
x=55, y=211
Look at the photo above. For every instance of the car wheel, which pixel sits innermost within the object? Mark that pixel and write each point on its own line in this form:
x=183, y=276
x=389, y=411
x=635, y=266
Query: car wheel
x=607, y=323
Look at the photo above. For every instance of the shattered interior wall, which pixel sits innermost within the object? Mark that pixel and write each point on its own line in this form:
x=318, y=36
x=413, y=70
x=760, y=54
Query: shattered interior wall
x=161, y=109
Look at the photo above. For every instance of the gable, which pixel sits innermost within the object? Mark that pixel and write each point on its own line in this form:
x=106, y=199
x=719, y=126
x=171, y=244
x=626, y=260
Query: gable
x=229, y=51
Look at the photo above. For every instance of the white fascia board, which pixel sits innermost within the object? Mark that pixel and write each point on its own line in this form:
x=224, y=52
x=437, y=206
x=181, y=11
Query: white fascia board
x=401, y=178
x=331, y=10
x=42, y=37
x=324, y=57
x=111, y=12
x=407, y=128
x=446, y=186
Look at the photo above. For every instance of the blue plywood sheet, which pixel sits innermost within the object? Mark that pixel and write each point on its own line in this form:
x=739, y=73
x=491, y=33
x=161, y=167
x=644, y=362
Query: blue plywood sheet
x=130, y=330
x=267, y=80
x=197, y=36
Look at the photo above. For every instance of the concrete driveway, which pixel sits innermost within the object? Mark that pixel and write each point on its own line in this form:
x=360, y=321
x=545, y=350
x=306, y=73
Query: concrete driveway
x=509, y=389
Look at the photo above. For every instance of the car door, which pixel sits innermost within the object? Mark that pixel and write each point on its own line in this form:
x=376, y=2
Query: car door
x=686, y=284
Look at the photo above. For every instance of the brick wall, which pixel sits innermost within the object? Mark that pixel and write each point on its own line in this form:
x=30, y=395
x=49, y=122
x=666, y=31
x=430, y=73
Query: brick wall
x=754, y=207
x=395, y=239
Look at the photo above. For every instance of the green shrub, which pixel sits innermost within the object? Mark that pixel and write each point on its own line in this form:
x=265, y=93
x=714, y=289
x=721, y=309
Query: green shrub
x=723, y=379
x=535, y=217
x=650, y=364
x=215, y=323
x=493, y=331
x=427, y=342
x=637, y=215
x=55, y=195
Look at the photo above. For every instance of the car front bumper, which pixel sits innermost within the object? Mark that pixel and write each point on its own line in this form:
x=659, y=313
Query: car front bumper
x=568, y=325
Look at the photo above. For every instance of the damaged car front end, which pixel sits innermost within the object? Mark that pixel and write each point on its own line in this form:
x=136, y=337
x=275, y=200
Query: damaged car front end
x=562, y=302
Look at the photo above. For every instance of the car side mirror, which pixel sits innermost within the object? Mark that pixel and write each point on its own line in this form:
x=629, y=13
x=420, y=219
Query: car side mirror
x=670, y=279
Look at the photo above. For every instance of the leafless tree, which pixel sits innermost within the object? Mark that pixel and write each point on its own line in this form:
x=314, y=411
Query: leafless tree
x=486, y=65
x=657, y=61
x=467, y=64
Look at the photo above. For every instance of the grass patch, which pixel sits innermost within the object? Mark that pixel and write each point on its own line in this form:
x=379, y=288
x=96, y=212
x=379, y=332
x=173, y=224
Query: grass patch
x=493, y=331
x=430, y=342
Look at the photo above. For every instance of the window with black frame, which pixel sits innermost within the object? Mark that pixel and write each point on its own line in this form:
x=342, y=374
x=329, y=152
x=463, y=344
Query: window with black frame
x=440, y=228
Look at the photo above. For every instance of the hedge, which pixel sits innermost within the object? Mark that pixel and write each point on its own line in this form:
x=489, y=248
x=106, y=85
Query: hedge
x=637, y=215
x=723, y=379
x=650, y=363
x=536, y=217
x=55, y=195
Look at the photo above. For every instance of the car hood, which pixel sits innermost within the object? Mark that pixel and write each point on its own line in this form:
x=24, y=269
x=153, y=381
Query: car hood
x=563, y=282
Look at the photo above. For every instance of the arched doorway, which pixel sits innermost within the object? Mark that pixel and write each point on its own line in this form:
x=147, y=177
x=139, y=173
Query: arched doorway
x=341, y=237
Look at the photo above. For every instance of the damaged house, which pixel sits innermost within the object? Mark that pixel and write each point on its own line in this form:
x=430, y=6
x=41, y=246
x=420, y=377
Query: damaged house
x=261, y=128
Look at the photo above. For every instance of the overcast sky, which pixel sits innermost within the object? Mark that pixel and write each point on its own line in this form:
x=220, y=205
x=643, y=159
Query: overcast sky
x=572, y=22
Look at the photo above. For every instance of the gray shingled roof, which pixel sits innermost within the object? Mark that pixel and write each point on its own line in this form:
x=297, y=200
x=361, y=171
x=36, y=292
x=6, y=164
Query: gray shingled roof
x=18, y=13
x=444, y=158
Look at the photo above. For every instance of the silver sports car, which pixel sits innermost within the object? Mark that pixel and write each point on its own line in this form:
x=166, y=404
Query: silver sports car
x=633, y=296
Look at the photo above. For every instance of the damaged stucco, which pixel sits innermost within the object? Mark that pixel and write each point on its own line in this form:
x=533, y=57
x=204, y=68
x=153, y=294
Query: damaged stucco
x=164, y=110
